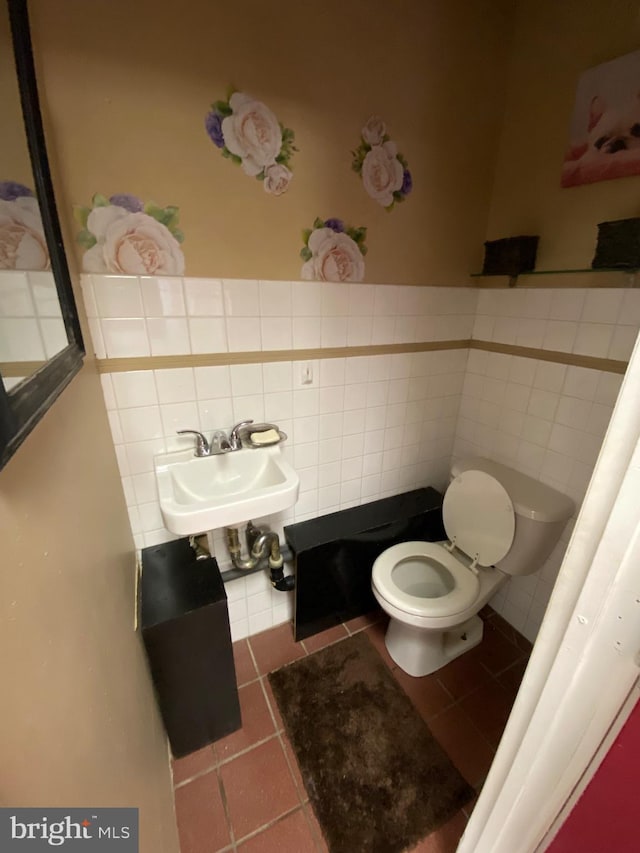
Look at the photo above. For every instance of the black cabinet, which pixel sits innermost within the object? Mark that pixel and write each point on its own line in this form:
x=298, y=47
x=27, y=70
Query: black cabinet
x=335, y=554
x=185, y=629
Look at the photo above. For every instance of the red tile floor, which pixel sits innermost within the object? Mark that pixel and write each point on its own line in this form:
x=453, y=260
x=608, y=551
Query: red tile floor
x=245, y=792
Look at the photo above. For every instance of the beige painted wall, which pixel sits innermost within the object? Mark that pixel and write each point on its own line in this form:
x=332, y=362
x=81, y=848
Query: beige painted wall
x=127, y=86
x=78, y=721
x=79, y=725
x=14, y=157
x=553, y=44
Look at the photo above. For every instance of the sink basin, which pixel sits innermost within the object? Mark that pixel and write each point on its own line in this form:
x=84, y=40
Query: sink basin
x=204, y=493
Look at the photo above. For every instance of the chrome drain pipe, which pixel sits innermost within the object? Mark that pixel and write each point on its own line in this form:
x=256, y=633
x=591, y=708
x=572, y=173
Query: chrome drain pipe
x=262, y=544
x=235, y=550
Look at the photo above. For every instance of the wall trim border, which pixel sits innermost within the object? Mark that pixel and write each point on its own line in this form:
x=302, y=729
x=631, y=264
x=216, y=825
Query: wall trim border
x=160, y=362
x=167, y=362
x=14, y=369
x=610, y=365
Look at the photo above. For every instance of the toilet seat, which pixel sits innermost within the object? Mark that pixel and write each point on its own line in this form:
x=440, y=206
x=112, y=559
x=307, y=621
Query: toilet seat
x=479, y=520
x=461, y=596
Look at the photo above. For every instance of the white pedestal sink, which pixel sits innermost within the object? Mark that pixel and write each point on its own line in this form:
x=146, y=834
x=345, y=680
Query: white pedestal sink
x=204, y=493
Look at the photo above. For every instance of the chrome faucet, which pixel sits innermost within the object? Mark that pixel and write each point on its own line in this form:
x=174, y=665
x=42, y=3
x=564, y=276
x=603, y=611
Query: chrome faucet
x=235, y=440
x=220, y=442
x=203, y=448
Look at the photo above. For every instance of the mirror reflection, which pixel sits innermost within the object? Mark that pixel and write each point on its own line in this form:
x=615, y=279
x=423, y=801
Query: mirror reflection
x=31, y=326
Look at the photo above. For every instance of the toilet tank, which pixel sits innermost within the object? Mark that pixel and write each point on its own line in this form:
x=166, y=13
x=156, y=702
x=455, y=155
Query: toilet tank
x=540, y=514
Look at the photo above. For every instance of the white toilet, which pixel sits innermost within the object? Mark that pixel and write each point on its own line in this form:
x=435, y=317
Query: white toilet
x=499, y=523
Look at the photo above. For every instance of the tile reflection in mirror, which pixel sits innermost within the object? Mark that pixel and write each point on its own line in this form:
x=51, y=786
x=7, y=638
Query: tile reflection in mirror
x=31, y=326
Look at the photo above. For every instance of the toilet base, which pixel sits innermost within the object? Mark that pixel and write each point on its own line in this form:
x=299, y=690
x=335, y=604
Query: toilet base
x=418, y=651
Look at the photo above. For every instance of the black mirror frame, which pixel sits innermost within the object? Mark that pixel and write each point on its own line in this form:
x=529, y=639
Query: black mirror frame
x=21, y=409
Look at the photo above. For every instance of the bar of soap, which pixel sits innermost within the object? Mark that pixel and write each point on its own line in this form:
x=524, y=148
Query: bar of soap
x=268, y=436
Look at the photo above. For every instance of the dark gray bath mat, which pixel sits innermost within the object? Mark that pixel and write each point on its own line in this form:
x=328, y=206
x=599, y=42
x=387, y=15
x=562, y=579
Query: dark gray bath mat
x=376, y=777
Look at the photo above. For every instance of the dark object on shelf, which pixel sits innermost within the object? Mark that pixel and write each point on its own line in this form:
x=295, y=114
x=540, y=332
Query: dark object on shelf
x=618, y=245
x=334, y=554
x=185, y=629
x=510, y=256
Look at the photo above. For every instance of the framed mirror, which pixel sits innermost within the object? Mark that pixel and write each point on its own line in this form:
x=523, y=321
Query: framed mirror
x=41, y=346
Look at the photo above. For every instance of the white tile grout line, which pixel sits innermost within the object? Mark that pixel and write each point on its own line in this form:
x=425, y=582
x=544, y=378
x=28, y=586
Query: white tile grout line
x=283, y=816
x=314, y=828
x=326, y=646
x=302, y=792
x=303, y=799
x=195, y=776
x=253, y=657
x=224, y=761
x=268, y=701
x=278, y=733
x=225, y=807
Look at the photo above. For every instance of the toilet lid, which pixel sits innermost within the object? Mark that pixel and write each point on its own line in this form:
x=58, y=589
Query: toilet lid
x=478, y=514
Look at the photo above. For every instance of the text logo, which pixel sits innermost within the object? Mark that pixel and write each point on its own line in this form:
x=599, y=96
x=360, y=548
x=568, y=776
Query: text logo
x=74, y=830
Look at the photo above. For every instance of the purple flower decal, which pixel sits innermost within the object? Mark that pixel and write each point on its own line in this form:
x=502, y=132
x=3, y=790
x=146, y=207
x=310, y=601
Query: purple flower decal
x=384, y=170
x=333, y=251
x=130, y=202
x=248, y=134
x=11, y=190
x=129, y=236
x=213, y=125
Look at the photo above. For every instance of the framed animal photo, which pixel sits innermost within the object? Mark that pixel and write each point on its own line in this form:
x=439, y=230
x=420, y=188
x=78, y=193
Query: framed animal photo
x=604, y=138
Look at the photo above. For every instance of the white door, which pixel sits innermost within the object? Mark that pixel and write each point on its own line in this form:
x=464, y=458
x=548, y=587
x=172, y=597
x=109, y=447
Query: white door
x=585, y=661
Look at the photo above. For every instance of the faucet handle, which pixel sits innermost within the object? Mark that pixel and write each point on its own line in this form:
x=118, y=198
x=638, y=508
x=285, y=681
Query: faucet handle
x=234, y=434
x=202, y=445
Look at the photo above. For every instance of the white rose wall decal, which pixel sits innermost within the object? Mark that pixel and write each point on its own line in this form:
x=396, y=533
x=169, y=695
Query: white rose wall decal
x=333, y=251
x=384, y=171
x=248, y=133
x=121, y=234
x=22, y=242
x=124, y=236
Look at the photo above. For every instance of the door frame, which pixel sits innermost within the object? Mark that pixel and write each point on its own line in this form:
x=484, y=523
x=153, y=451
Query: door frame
x=584, y=664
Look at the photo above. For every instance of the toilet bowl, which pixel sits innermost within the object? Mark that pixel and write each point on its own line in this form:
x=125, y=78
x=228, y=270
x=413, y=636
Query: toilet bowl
x=499, y=523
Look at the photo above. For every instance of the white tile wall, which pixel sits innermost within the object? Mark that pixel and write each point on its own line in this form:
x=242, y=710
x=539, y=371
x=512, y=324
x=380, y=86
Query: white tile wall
x=364, y=429
x=394, y=433
x=131, y=316
x=547, y=420
x=367, y=427
x=15, y=295
x=31, y=325
x=598, y=322
x=20, y=339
